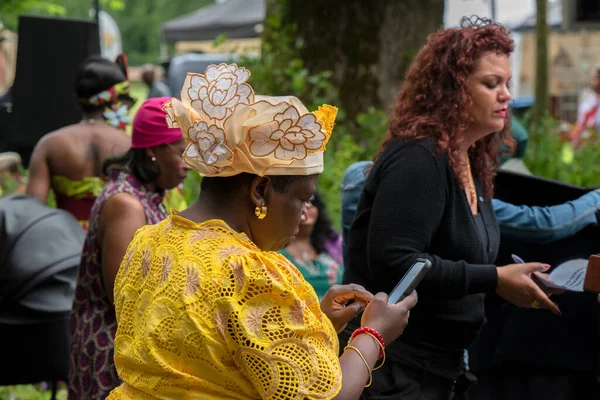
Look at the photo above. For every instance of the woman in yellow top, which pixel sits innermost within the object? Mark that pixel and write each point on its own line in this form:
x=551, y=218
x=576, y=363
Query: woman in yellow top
x=206, y=308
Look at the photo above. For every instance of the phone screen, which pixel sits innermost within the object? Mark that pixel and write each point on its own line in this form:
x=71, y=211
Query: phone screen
x=407, y=281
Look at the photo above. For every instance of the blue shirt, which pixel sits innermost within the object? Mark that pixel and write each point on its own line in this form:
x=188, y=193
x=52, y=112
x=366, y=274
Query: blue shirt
x=531, y=224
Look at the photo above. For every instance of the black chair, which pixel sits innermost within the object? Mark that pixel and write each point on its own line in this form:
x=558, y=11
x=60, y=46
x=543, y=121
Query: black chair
x=40, y=249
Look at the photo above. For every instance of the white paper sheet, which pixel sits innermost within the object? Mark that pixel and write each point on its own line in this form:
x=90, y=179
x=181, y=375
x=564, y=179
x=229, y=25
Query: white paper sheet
x=570, y=275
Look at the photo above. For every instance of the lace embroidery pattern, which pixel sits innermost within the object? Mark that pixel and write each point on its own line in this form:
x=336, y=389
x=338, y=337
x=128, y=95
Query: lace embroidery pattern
x=224, y=320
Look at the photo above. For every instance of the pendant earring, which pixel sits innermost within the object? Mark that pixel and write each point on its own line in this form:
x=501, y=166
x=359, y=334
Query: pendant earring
x=153, y=159
x=260, y=212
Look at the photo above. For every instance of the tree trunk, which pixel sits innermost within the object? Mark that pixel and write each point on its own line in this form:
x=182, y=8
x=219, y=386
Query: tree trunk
x=367, y=44
x=541, y=76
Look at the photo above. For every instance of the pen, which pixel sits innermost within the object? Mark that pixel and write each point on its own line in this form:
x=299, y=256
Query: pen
x=517, y=259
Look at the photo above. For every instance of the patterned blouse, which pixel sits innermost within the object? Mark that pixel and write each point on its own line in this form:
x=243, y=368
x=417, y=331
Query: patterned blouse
x=92, y=374
x=320, y=273
x=205, y=314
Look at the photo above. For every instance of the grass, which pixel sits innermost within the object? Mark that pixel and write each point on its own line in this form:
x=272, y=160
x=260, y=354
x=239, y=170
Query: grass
x=31, y=392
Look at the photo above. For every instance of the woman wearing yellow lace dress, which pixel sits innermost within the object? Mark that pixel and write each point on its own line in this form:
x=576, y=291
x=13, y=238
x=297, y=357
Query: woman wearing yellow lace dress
x=206, y=307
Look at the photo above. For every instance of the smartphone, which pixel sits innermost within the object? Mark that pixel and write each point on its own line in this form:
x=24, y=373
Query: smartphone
x=544, y=283
x=410, y=280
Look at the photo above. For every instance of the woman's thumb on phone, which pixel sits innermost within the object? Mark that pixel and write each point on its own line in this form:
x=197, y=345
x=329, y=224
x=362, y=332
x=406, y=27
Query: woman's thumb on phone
x=382, y=297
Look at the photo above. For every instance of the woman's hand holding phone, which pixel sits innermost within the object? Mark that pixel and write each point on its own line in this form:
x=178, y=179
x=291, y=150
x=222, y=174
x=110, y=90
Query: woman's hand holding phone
x=342, y=303
x=388, y=319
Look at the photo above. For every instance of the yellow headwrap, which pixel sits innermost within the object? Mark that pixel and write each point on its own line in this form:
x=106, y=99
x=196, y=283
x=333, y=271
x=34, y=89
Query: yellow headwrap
x=230, y=130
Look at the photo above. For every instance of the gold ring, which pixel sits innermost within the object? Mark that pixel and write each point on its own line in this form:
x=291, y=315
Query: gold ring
x=534, y=304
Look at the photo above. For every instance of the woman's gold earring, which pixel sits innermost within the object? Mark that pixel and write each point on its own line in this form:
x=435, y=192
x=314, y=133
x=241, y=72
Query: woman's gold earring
x=260, y=212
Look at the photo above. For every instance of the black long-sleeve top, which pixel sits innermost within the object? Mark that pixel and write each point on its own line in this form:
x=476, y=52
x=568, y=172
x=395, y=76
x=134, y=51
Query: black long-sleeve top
x=413, y=207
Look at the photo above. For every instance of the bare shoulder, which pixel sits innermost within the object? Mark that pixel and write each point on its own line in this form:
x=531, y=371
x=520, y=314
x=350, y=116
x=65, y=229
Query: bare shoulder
x=122, y=204
x=111, y=141
x=67, y=137
x=51, y=138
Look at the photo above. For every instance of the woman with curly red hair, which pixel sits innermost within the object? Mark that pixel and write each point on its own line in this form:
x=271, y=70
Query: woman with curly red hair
x=429, y=196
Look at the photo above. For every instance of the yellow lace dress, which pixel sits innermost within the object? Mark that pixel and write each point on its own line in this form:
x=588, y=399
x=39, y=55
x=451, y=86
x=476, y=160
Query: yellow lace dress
x=203, y=313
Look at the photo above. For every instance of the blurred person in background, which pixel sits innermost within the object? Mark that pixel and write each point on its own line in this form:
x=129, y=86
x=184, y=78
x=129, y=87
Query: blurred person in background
x=132, y=198
x=533, y=224
x=157, y=87
x=317, y=249
x=69, y=160
x=588, y=114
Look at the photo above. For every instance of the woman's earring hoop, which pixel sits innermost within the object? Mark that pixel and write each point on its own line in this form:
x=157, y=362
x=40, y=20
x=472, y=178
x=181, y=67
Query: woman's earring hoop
x=260, y=212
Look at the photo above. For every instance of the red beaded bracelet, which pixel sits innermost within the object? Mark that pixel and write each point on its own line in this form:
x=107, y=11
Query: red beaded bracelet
x=373, y=333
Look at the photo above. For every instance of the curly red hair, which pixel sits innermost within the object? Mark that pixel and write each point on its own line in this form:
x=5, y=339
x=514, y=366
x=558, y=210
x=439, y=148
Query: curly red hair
x=434, y=100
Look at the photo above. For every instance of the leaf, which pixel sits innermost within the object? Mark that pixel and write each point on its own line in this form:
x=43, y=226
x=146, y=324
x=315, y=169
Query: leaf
x=11, y=9
x=221, y=39
x=113, y=5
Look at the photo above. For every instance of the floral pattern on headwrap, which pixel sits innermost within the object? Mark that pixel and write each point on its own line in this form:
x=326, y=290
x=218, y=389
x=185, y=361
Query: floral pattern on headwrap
x=231, y=130
x=116, y=112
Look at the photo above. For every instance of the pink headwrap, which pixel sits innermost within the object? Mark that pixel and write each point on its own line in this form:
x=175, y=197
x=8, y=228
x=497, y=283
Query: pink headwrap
x=150, y=126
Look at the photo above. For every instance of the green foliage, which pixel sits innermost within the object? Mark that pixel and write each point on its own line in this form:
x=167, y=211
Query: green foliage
x=113, y=5
x=343, y=151
x=8, y=183
x=31, y=392
x=548, y=155
x=222, y=38
x=141, y=25
x=140, y=21
x=10, y=10
x=139, y=91
x=271, y=77
x=279, y=71
x=19, y=6
x=83, y=8
x=191, y=187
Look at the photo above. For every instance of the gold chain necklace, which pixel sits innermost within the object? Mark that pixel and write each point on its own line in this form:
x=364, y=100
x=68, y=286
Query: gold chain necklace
x=472, y=192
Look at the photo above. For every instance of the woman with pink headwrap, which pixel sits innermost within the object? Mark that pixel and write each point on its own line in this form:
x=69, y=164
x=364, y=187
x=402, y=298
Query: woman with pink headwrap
x=132, y=198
